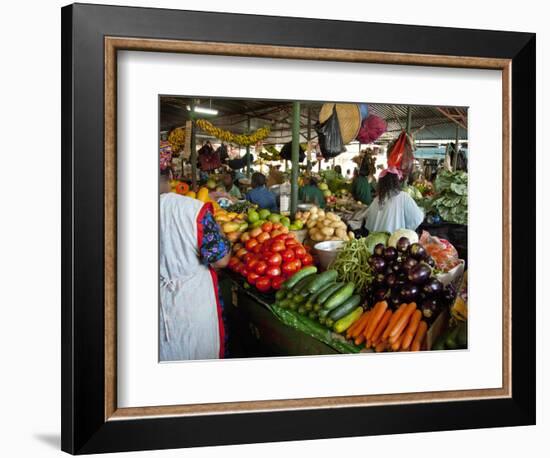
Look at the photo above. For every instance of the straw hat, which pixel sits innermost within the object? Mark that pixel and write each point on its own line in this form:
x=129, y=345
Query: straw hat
x=349, y=117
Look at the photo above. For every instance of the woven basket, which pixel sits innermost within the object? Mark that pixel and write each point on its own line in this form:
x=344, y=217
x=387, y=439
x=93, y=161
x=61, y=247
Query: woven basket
x=349, y=117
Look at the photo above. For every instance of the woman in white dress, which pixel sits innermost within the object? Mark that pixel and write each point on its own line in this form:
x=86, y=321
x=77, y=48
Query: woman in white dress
x=392, y=208
x=192, y=246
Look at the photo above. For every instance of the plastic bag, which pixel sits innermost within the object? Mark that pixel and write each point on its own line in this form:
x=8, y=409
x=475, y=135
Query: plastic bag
x=286, y=152
x=330, y=137
x=371, y=129
x=442, y=251
x=400, y=154
x=208, y=158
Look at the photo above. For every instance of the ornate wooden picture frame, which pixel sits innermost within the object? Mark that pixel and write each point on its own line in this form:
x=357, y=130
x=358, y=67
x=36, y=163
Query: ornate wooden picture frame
x=91, y=419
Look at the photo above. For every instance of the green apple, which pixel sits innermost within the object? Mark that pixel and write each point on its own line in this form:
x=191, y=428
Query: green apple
x=294, y=227
x=298, y=223
x=264, y=213
x=285, y=221
x=323, y=186
x=253, y=216
x=274, y=218
x=258, y=223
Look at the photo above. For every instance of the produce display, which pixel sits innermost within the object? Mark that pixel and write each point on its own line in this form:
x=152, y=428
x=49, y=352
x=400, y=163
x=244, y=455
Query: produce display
x=268, y=255
x=230, y=137
x=323, y=226
x=405, y=273
x=382, y=329
x=451, y=198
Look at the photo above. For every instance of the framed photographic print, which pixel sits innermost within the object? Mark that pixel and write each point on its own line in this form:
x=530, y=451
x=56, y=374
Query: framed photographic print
x=271, y=222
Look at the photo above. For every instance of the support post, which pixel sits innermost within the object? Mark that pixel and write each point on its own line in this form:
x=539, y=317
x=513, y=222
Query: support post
x=409, y=120
x=308, y=167
x=457, y=136
x=248, y=149
x=295, y=157
x=193, y=149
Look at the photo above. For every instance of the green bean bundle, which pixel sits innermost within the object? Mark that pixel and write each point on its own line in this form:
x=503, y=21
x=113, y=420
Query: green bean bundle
x=352, y=265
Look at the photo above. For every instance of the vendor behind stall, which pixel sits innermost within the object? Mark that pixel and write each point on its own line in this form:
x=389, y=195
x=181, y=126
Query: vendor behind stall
x=191, y=247
x=259, y=194
x=393, y=208
x=311, y=194
x=361, y=188
x=230, y=187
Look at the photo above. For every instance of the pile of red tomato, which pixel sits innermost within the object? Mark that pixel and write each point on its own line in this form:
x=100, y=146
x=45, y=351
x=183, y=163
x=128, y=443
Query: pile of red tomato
x=266, y=257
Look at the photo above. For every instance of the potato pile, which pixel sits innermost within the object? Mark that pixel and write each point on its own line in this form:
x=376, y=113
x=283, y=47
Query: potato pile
x=323, y=226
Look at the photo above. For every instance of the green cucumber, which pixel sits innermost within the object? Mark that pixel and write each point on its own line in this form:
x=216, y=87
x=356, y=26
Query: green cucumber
x=312, y=315
x=313, y=297
x=462, y=337
x=284, y=303
x=280, y=294
x=340, y=296
x=322, y=279
x=305, y=290
x=322, y=319
x=344, y=323
x=323, y=313
x=302, y=310
x=317, y=307
x=327, y=292
x=440, y=341
x=299, y=286
x=330, y=322
x=299, y=299
x=451, y=342
x=309, y=270
x=346, y=307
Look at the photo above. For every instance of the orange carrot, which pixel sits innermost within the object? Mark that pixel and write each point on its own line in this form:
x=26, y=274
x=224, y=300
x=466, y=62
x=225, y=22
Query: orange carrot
x=380, y=347
x=397, y=344
x=393, y=319
x=361, y=319
x=361, y=326
x=411, y=329
x=377, y=314
x=419, y=336
x=401, y=323
x=359, y=339
x=382, y=324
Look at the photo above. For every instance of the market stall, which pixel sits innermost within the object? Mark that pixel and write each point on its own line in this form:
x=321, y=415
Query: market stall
x=307, y=277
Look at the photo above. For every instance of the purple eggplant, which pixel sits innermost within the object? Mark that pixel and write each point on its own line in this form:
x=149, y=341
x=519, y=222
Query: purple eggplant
x=429, y=308
x=403, y=244
x=379, y=249
x=432, y=287
x=408, y=264
x=379, y=279
x=390, y=253
x=391, y=279
x=417, y=251
x=409, y=292
x=420, y=273
x=377, y=263
x=380, y=294
x=430, y=261
x=395, y=267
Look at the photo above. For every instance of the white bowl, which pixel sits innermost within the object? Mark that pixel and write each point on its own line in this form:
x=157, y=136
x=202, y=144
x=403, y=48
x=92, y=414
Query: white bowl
x=326, y=252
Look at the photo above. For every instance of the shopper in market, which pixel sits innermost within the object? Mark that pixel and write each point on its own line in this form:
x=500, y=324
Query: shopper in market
x=230, y=187
x=392, y=208
x=191, y=246
x=361, y=188
x=311, y=194
x=259, y=194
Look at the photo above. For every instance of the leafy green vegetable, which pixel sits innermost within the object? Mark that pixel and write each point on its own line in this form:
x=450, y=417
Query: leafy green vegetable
x=451, y=200
x=374, y=238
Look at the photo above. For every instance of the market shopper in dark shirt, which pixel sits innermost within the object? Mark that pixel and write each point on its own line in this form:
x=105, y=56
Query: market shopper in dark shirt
x=260, y=195
x=311, y=194
x=361, y=188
